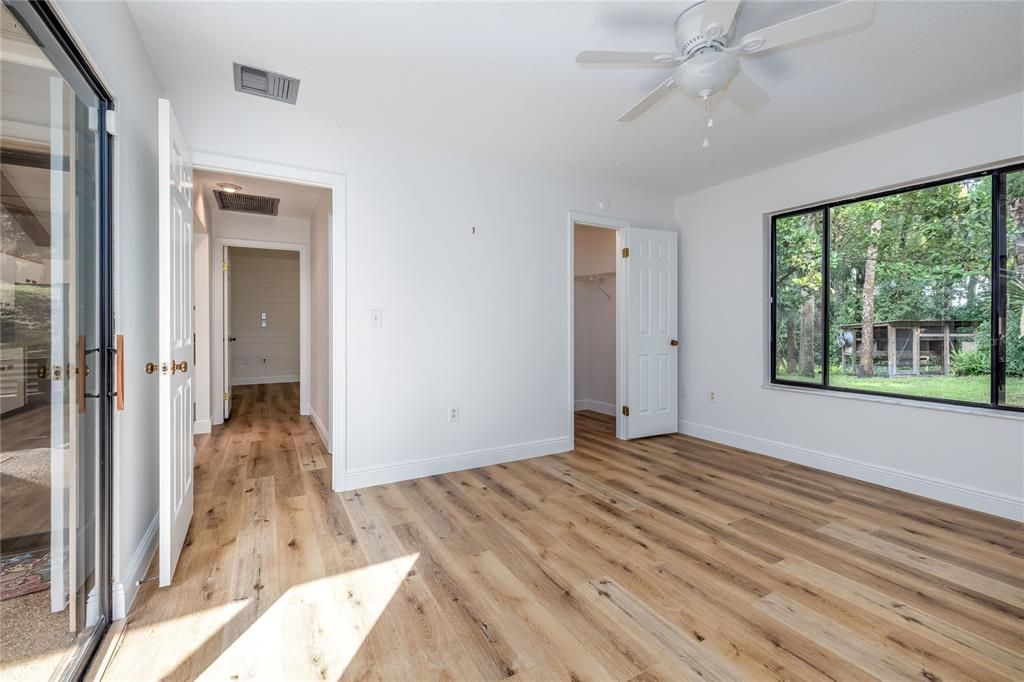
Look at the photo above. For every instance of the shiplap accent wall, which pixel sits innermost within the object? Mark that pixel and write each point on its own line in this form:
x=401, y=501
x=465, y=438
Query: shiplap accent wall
x=264, y=281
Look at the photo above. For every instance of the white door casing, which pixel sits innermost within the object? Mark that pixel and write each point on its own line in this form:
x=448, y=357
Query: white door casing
x=652, y=362
x=226, y=332
x=175, y=341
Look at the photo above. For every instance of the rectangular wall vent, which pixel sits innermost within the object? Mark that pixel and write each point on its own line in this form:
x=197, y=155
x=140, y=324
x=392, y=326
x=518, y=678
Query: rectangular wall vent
x=246, y=203
x=265, y=83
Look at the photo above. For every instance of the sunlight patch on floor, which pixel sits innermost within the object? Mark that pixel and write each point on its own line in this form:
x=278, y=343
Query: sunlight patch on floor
x=188, y=634
x=313, y=630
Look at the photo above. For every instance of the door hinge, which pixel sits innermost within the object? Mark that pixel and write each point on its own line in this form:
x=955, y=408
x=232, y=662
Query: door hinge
x=225, y=397
x=625, y=252
x=110, y=122
x=625, y=410
x=227, y=265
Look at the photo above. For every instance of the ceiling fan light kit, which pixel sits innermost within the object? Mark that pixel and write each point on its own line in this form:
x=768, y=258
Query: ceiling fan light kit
x=707, y=60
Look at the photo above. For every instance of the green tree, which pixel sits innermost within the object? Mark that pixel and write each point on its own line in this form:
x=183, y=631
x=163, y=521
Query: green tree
x=797, y=290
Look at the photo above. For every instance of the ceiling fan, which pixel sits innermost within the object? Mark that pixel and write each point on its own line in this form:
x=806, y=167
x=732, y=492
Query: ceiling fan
x=706, y=59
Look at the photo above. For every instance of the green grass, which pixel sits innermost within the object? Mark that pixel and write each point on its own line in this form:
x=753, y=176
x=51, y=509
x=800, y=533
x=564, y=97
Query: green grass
x=965, y=389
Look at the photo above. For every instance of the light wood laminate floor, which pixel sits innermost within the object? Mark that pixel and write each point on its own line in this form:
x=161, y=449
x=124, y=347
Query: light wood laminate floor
x=666, y=558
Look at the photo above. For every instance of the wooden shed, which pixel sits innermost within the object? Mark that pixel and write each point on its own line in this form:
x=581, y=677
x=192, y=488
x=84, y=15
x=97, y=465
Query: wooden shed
x=910, y=347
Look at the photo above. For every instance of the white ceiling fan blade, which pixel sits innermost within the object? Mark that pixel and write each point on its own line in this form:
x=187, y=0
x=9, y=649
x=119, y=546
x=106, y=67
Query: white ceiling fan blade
x=648, y=101
x=746, y=94
x=718, y=17
x=616, y=57
x=837, y=17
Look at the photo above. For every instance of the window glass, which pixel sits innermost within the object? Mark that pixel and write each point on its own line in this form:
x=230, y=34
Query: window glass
x=798, y=279
x=910, y=293
x=1013, y=278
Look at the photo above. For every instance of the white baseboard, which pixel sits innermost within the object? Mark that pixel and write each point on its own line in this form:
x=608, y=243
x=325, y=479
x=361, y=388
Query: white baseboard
x=405, y=471
x=275, y=379
x=596, y=406
x=124, y=591
x=321, y=429
x=987, y=501
x=201, y=426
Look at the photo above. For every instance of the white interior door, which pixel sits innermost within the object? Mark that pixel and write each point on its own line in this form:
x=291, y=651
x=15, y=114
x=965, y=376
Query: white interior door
x=652, y=362
x=175, y=314
x=226, y=335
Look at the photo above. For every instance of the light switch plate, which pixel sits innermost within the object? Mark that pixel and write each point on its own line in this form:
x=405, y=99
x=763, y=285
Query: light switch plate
x=376, y=318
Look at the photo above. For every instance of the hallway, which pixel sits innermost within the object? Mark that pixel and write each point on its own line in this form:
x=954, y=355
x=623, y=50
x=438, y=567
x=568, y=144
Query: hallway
x=665, y=558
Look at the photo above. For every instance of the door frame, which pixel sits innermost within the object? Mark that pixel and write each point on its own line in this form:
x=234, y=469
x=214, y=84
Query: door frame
x=621, y=228
x=337, y=266
x=217, y=295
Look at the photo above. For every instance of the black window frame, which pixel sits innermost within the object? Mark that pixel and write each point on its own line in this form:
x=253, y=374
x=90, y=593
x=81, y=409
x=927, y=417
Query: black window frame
x=998, y=294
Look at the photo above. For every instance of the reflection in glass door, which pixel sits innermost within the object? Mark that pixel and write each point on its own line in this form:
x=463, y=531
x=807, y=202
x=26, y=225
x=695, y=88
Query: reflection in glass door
x=54, y=601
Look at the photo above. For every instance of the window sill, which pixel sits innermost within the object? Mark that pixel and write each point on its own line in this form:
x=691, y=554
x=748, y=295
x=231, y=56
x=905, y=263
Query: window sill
x=905, y=402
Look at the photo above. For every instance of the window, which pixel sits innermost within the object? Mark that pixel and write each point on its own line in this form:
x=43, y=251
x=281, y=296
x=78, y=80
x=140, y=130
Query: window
x=914, y=293
x=1012, y=390
x=798, y=278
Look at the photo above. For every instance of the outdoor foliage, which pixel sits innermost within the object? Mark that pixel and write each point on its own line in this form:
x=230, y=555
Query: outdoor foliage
x=1015, y=275
x=927, y=253
x=915, y=256
x=798, y=292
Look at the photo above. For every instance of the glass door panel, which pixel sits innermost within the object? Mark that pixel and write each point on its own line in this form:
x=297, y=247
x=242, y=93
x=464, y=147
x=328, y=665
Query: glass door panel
x=51, y=330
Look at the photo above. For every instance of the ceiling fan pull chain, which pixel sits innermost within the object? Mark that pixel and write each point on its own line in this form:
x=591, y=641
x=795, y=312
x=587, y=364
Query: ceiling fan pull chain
x=707, y=121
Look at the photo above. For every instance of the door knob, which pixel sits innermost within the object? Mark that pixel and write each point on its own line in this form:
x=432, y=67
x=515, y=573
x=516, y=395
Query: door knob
x=674, y=342
x=153, y=367
x=232, y=338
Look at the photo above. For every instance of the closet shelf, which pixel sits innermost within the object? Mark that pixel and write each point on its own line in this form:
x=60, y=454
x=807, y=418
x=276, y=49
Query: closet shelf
x=596, y=277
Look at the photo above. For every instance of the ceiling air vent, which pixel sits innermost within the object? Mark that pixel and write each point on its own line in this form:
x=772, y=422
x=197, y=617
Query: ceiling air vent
x=246, y=203
x=265, y=83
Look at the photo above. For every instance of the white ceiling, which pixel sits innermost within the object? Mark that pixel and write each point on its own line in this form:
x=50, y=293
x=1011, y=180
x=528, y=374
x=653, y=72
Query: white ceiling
x=297, y=201
x=500, y=79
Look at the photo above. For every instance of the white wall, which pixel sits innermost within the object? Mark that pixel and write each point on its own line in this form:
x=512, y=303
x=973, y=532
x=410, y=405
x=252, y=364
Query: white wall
x=125, y=67
x=264, y=282
x=319, y=322
x=474, y=320
x=594, y=311
x=975, y=460
x=478, y=320
x=231, y=225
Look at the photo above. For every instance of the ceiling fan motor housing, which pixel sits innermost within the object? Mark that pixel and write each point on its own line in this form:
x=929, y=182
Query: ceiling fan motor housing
x=707, y=72
x=690, y=32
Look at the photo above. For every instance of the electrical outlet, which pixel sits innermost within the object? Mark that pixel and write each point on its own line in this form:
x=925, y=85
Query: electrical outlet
x=264, y=361
x=453, y=413
x=711, y=397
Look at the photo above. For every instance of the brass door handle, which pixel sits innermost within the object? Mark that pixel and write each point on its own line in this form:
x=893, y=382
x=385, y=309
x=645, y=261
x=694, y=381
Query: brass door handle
x=119, y=388
x=81, y=374
x=163, y=367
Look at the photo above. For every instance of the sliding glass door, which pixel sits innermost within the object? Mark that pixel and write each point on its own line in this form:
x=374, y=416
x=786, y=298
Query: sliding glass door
x=54, y=340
